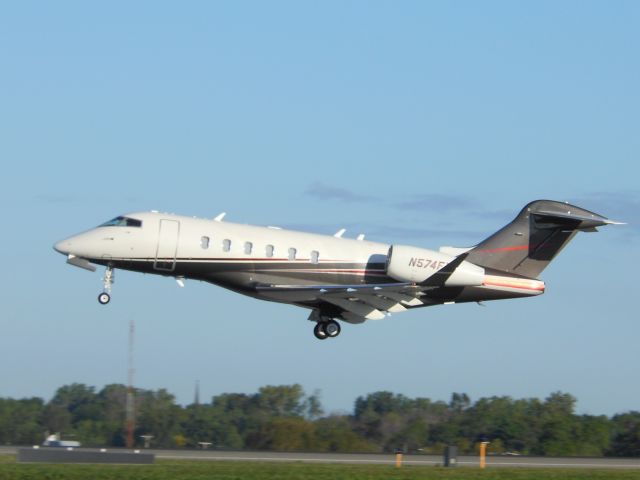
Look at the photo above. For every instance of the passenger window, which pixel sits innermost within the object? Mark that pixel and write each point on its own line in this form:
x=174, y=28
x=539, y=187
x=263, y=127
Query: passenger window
x=314, y=256
x=292, y=254
x=226, y=245
x=248, y=246
x=204, y=242
x=269, y=251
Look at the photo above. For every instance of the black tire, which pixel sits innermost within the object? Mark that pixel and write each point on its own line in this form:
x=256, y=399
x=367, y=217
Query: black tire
x=104, y=298
x=332, y=329
x=319, y=332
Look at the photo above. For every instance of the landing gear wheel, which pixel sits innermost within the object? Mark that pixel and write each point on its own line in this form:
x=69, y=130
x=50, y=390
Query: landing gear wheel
x=319, y=332
x=104, y=298
x=332, y=328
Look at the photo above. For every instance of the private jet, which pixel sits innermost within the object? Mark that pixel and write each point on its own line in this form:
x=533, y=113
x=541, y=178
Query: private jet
x=336, y=278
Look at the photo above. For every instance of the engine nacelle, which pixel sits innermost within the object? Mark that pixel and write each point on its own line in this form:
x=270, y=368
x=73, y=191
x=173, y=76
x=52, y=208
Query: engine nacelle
x=415, y=265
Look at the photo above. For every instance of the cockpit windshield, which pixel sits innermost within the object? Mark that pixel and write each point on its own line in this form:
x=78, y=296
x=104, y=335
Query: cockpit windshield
x=122, y=222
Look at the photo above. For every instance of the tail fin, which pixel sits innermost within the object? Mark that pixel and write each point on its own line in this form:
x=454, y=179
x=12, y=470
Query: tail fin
x=527, y=244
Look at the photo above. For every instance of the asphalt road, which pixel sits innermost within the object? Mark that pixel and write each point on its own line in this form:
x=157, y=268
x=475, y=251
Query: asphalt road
x=465, y=461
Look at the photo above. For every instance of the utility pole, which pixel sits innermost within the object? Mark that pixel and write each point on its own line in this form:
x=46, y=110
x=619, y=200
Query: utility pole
x=130, y=408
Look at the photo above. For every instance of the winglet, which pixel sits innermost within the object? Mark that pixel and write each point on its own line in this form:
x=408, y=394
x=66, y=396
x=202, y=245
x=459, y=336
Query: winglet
x=220, y=217
x=339, y=233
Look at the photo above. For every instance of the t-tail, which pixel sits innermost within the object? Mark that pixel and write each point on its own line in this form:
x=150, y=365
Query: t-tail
x=527, y=244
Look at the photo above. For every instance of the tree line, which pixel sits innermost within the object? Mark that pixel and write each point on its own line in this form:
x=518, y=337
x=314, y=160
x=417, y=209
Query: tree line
x=284, y=418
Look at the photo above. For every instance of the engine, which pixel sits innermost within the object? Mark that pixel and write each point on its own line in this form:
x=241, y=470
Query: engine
x=411, y=264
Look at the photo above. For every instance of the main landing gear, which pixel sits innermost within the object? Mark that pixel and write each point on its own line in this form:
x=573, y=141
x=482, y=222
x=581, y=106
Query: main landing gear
x=324, y=330
x=105, y=296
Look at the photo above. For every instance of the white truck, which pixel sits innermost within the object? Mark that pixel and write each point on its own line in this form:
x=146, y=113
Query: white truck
x=55, y=441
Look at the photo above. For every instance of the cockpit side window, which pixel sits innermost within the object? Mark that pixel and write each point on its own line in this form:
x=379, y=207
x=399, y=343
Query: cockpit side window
x=132, y=222
x=122, y=222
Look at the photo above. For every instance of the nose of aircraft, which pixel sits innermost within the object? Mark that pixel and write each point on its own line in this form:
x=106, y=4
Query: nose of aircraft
x=89, y=244
x=63, y=246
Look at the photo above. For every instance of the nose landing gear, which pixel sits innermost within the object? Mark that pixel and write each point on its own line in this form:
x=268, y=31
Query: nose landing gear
x=105, y=296
x=326, y=329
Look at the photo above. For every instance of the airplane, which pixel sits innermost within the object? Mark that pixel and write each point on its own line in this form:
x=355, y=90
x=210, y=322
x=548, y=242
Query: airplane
x=351, y=280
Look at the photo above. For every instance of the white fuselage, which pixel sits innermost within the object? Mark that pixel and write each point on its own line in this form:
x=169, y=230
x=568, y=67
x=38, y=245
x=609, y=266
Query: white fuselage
x=349, y=279
x=337, y=278
x=228, y=253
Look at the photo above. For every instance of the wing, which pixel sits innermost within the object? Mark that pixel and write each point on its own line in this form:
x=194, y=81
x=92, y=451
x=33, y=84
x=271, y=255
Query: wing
x=353, y=303
x=358, y=303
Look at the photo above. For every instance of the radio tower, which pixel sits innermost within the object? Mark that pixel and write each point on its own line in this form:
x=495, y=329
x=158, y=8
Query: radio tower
x=130, y=407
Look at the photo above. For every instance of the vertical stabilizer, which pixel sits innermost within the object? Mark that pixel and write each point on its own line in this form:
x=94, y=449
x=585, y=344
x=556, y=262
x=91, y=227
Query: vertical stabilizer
x=527, y=244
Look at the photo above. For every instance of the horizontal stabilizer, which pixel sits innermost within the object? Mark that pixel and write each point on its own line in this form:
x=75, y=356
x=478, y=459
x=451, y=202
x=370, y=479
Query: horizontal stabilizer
x=547, y=220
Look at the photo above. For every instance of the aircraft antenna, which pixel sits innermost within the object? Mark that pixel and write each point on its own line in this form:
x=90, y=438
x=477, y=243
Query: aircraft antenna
x=130, y=407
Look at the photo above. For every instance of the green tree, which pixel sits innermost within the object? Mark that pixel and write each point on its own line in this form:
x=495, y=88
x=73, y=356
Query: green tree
x=20, y=421
x=626, y=435
x=287, y=434
x=558, y=425
x=158, y=415
x=378, y=416
x=284, y=418
x=459, y=402
x=412, y=437
x=206, y=423
x=56, y=418
x=335, y=433
x=198, y=424
x=592, y=435
x=237, y=418
x=79, y=400
x=281, y=400
x=112, y=400
x=313, y=406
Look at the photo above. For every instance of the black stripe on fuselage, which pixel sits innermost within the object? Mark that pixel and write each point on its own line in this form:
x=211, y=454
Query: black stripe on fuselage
x=245, y=273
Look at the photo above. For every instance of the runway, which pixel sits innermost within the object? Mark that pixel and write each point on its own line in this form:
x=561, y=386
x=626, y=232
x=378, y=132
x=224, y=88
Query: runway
x=384, y=459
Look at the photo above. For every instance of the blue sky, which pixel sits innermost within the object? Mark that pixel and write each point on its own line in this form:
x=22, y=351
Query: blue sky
x=414, y=122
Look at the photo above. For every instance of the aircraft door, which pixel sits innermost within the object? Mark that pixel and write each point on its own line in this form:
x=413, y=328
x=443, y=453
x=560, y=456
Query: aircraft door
x=167, y=245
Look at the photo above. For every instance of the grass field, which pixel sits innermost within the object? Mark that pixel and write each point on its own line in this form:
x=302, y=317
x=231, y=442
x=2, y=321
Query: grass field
x=232, y=470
